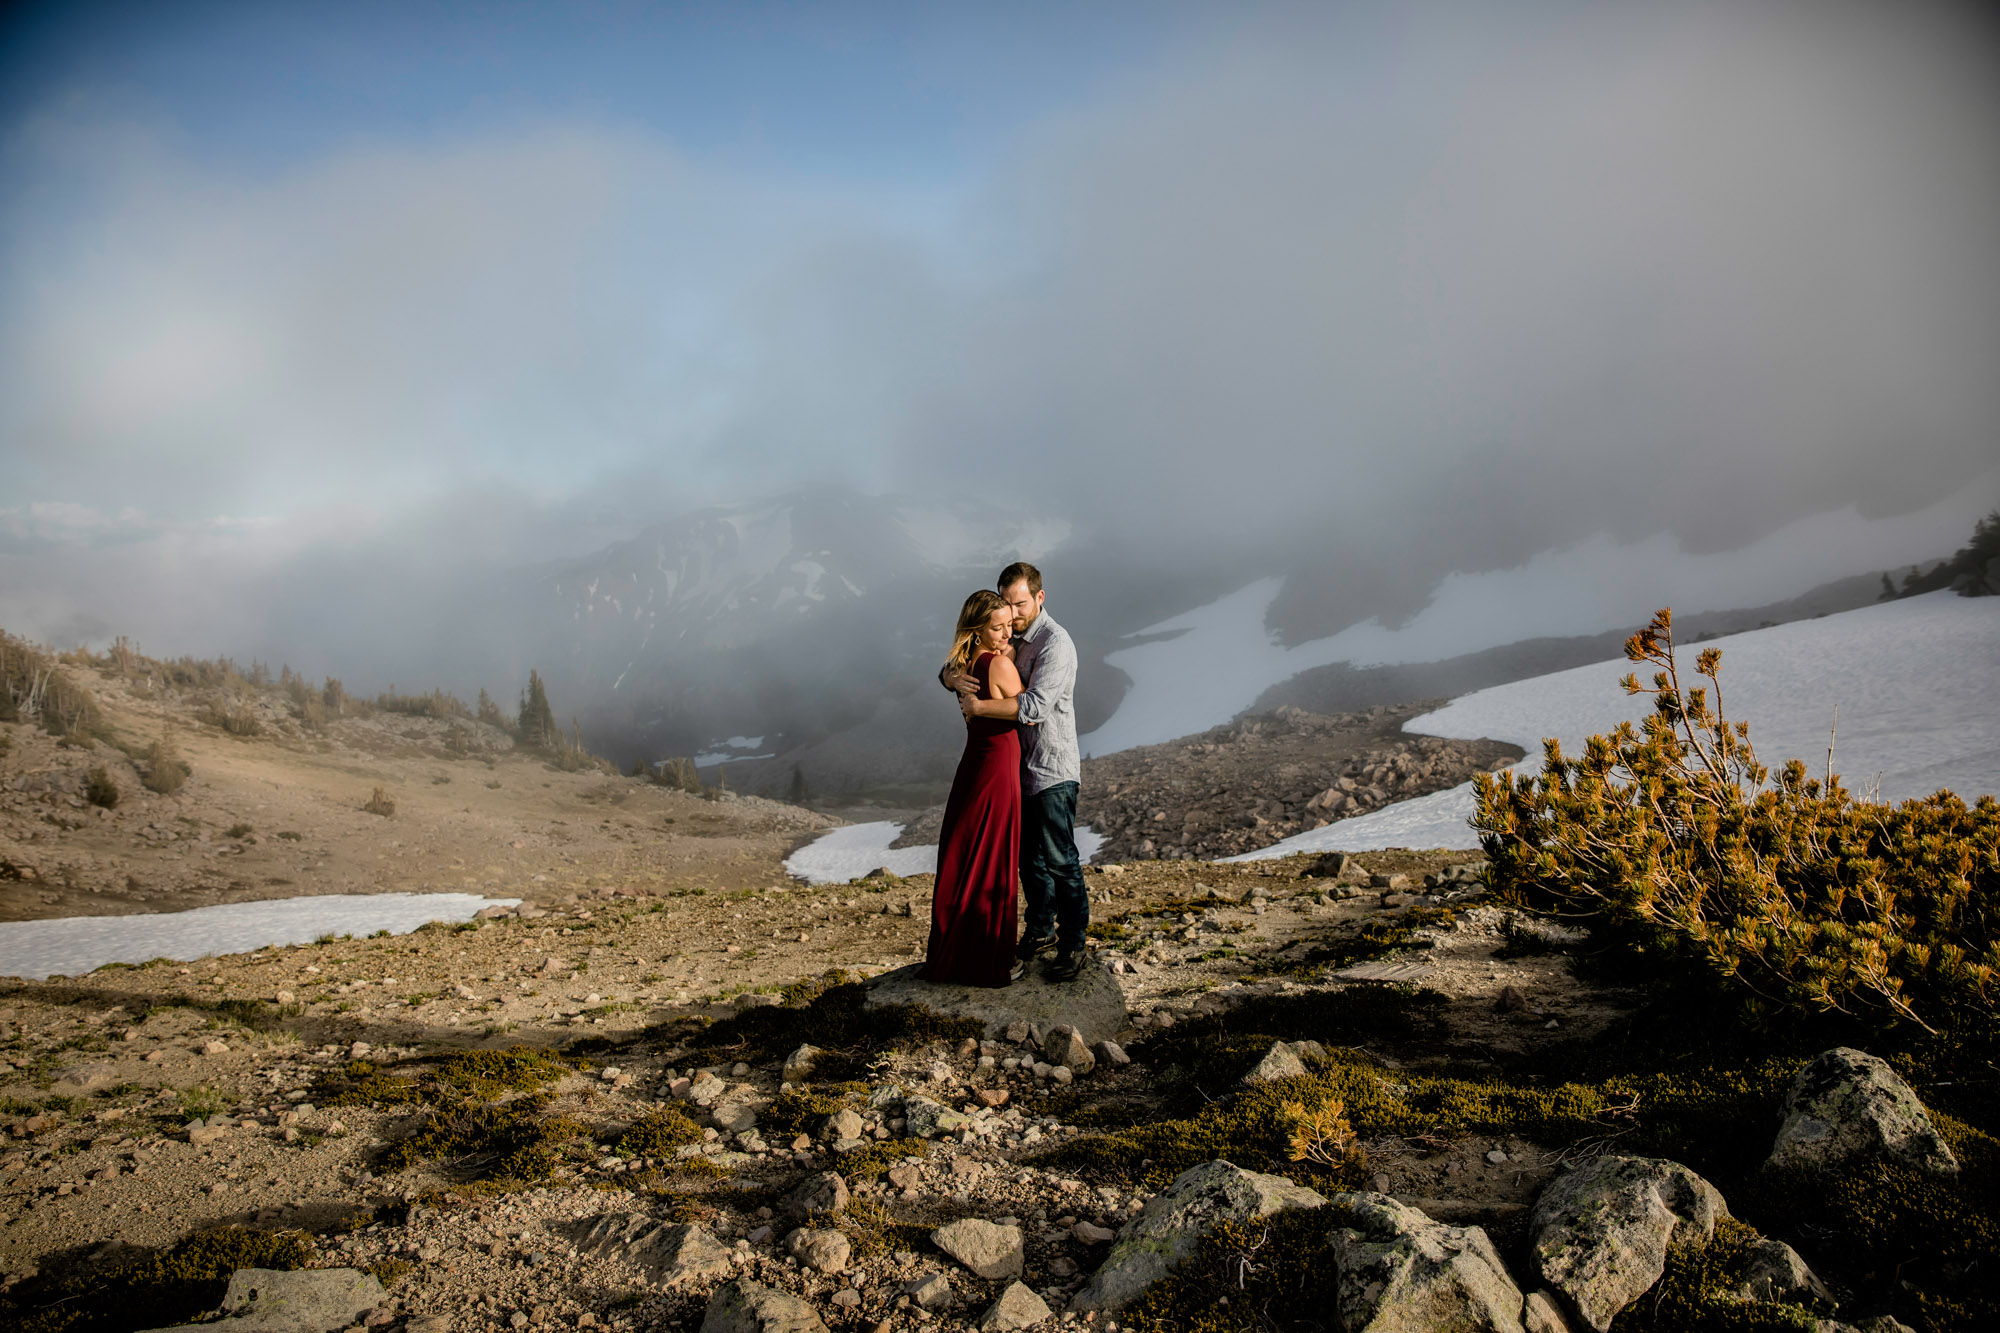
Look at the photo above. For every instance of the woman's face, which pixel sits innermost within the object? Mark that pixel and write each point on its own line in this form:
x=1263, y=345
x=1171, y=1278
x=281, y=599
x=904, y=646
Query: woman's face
x=997, y=630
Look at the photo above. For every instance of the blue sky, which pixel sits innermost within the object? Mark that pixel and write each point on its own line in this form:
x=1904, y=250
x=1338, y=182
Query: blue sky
x=907, y=94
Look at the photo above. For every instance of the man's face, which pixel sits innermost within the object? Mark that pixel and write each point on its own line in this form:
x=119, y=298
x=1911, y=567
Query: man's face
x=1024, y=604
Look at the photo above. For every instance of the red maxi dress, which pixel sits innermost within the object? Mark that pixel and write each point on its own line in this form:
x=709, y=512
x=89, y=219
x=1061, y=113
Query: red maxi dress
x=979, y=853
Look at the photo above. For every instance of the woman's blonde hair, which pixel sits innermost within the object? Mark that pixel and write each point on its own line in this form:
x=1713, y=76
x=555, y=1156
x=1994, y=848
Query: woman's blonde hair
x=972, y=618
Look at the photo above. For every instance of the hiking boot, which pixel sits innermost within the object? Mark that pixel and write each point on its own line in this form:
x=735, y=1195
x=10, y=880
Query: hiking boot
x=1031, y=949
x=1066, y=966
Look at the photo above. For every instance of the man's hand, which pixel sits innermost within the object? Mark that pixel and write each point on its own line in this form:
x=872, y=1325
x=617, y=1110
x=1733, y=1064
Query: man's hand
x=968, y=703
x=968, y=687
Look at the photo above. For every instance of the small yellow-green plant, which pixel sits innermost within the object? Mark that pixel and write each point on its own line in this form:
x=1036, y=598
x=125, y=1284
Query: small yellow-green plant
x=1811, y=899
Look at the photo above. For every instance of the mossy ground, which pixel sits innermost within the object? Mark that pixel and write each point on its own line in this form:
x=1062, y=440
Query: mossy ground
x=1682, y=1085
x=168, y=1288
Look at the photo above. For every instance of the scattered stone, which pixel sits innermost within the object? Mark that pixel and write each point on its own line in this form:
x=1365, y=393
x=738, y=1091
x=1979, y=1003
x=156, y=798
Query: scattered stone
x=990, y=1096
x=1111, y=1055
x=215, y=1046
x=827, y=1251
x=744, y=1306
x=1511, y=1000
x=932, y=1291
x=1496, y=1157
x=1278, y=1062
x=821, y=1195
x=1399, y=1269
x=1089, y=1233
x=358, y=1049
x=990, y=1250
x=672, y=1253
x=1018, y=1307
x=926, y=1119
x=1064, y=1047
x=1601, y=1233
x=1846, y=1108
x=1173, y=1223
x=843, y=1124
x=736, y=1110
x=1774, y=1272
x=799, y=1065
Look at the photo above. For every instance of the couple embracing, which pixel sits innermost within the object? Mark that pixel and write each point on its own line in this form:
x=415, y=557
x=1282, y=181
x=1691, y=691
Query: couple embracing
x=1013, y=802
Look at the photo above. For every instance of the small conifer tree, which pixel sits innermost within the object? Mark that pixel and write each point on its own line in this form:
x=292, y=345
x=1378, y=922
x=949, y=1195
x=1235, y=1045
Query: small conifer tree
x=537, y=728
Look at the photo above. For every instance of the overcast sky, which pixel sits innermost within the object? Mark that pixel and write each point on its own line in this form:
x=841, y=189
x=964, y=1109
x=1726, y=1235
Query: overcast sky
x=426, y=288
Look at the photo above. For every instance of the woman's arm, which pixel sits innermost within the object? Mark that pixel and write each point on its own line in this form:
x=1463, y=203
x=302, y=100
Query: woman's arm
x=1003, y=678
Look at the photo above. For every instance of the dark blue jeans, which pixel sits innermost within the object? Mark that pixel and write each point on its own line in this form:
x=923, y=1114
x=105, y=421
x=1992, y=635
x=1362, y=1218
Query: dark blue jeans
x=1051, y=872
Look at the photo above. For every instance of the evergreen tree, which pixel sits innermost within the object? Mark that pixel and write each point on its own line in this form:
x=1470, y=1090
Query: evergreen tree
x=537, y=727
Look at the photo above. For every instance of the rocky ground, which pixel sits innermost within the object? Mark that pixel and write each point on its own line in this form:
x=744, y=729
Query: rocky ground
x=283, y=813
x=1258, y=780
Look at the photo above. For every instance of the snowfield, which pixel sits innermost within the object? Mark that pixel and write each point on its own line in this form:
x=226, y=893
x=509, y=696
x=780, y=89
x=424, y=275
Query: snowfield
x=1917, y=683
x=849, y=853
x=1220, y=657
x=74, y=945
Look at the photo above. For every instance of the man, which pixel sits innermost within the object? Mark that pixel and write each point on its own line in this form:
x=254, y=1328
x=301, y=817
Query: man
x=1051, y=768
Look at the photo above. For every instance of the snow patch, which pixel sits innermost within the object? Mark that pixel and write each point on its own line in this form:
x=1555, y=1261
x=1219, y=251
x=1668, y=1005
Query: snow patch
x=1913, y=680
x=74, y=945
x=1224, y=657
x=849, y=853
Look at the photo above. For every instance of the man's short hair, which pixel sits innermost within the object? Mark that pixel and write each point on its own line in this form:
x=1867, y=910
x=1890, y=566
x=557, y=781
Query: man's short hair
x=1017, y=571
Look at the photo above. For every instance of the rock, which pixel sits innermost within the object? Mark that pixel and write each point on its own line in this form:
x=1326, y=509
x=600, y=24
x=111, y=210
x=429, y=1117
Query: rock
x=358, y=1049
x=744, y=1306
x=1846, y=1108
x=799, y=1065
x=1018, y=1307
x=1543, y=1313
x=932, y=1291
x=1399, y=1271
x=990, y=1096
x=1511, y=1000
x=820, y=1195
x=78, y=1079
x=311, y=1300
x=1774, y=1272
x=1088, y=1233
x=1174, y=1221
x=1065, y=1047
x=1093, y=1003
x=1111, y=1055
x=988, y=1249
x=706, y=1089
x=1329, y=865
x=1278, y=1062
x=736, y=1110
x=1881, y=1323
x=843, y=1124
x=1601, y=1233
x=215, y=1046
x=826, y=1251
x=926, y=1119
x=205, y=1134
x=428, y=1323
x=672, y=1253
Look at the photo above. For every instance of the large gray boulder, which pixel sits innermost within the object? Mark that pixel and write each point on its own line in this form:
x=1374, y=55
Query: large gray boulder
x=1847, y=1108
x=1401, y=1272
x=744, y=1306
x=924, y=1118
x=1173, y=1223
x=671, y=1252
x=1093, y=1003
x=1281, y=1061
x=310, y=1300
x=1601, y=1232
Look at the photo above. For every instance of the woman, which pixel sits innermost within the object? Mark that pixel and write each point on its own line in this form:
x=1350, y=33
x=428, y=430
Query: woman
x=972, y=910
